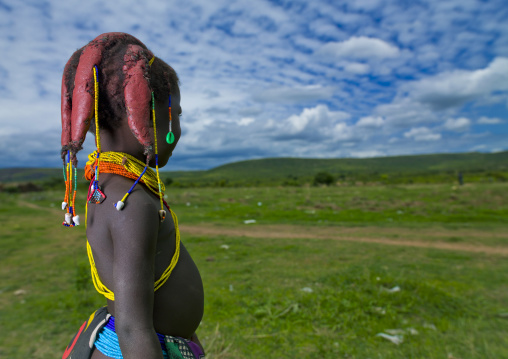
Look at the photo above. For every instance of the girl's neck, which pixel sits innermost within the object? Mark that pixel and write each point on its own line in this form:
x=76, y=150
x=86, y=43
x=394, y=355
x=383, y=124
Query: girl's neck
x=122, y=140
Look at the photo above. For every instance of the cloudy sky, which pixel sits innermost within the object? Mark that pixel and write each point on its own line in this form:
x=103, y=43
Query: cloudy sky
x=317, y=79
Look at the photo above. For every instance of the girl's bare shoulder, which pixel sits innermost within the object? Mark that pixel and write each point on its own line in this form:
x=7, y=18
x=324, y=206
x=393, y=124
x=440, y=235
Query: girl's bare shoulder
x=139, y=211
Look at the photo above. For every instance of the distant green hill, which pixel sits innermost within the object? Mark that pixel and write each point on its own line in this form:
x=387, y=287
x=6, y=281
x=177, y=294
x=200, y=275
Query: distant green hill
x=271, y=170
x=276, y=171
x=9, y=175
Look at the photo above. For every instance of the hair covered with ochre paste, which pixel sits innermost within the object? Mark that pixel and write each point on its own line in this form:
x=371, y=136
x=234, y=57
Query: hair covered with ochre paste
x=126, y=80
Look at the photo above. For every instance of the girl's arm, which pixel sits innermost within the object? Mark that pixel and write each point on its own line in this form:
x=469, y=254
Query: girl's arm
x=134, y=231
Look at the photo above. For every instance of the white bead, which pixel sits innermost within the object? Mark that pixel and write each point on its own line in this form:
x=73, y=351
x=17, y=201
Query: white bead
x=64, y=205
x=75, y=219
x=119, y=205
x=68, y=218
x=162, y=215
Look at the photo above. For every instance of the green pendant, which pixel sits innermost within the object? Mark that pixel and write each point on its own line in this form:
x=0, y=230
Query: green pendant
x=170, y=138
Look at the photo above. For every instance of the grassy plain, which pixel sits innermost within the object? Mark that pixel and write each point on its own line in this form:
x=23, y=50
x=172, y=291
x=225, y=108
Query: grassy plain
x=289, y=296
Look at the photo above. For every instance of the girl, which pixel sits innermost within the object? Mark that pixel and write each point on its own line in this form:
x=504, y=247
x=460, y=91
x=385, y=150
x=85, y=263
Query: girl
x=130, y=99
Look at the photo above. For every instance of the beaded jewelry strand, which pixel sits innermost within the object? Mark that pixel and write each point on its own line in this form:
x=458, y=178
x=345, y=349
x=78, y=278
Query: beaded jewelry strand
x=170, y=137
x=69, y=203
x=162, y=212
x=95, y=194
x=120, y=204
x=75, y=218
x=66, y=196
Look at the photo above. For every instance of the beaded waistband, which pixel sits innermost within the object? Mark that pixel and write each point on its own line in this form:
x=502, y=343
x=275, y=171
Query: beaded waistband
x=107, y=341
x=111, y=325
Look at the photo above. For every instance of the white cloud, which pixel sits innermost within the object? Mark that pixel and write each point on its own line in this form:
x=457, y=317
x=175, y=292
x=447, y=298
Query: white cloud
x=356, y=68
x=360, y=48
x=422, y=134
x=343, y=132
x=368, y=154
x=322, y=27
x=454, y=88
x=293, y=94
x=478, y=148
x=317, y=119
x=306, y=42
x=489, y=121
x=497, y=150
x=436, y=98
x=458, y=124
x=245, y=121
x=365, y=4
x=370, y=121
x=405, y=112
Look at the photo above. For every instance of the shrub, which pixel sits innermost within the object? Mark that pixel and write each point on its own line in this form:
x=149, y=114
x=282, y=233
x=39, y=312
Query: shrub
x=323, y=178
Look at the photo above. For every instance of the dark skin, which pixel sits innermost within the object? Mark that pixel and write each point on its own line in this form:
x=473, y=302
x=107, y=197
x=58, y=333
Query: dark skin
x=132, y=248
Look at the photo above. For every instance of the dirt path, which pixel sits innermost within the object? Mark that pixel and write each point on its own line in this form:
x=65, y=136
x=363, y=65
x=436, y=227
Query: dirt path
x=285, y=231
x=351, y=234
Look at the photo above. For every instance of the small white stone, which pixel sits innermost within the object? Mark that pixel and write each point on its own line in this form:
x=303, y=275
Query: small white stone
x=64, y=205
x=412, y=331
x=395, y=339
x=20, y=292
x=119, y=205
x=68, y=218
x=75, y=219
x=395, y=331
x=429, y=326
x=380, y=310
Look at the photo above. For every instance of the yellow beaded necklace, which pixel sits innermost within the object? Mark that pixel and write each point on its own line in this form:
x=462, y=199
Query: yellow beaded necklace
x=105, y=291
x=152, y=181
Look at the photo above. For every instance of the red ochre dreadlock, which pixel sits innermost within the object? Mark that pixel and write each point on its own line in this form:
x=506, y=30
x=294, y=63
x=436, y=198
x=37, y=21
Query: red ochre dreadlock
x=128, y=74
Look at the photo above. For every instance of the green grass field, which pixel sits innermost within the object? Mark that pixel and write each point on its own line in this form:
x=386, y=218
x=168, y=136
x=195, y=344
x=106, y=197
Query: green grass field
x=272, y=288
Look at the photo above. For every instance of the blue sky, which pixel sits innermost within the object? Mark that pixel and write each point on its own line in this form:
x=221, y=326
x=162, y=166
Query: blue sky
x=316, y=79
